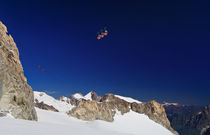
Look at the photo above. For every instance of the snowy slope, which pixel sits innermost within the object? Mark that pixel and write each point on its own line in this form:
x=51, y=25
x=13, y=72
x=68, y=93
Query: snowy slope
x=135, y=124
x=59, y=105
x=50, y=123
x=56, y=123
x=128, y=99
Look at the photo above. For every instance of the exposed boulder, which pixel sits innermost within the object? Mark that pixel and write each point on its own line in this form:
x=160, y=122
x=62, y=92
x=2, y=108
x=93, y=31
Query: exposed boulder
x=91, y=110
x=16, y=96
x=44, y=106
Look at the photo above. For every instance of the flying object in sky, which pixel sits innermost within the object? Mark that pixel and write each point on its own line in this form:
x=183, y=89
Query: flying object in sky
x=102, y=34
x=42, y=69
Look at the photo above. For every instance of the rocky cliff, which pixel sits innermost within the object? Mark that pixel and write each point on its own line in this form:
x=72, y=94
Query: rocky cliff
x=16, y=96
x=154, y=111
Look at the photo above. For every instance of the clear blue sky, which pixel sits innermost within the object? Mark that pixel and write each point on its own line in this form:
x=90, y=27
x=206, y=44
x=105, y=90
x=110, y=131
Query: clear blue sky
x=155, y=49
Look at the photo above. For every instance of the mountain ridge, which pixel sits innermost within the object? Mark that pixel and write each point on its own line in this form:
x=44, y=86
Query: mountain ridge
x=94, y=107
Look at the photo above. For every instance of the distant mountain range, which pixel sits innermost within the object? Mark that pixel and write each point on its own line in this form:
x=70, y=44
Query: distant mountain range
x=188, y=120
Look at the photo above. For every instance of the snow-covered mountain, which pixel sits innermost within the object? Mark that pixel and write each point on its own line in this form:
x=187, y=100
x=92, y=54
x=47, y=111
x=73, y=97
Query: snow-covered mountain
x=55, y=123
x=61, y=106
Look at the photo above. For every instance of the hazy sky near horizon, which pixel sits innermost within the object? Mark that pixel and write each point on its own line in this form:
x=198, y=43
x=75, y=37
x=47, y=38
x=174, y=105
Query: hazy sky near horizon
x=155, y=49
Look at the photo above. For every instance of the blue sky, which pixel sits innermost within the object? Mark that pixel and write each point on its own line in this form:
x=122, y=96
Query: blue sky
x=155, y=49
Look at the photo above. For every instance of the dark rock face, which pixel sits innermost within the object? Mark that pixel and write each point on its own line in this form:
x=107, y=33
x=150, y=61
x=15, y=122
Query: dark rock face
x=16, y=96
x=203, y=118
x=44, y=106
x=188, y=120
x=207, y=132
x=200, y=120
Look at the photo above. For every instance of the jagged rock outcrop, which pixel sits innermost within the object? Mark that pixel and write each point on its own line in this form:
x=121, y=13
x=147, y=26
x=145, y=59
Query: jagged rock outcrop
x=152, y=109
x=95, y=96
x=116, y=103
x=104, y=109
x=75, y=101
x=44, y=106
x=16, y=96
x=155, y=112
x=91, y=110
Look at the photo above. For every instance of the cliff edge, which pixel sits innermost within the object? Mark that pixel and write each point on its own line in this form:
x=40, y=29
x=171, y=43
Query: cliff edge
x=16, y=96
